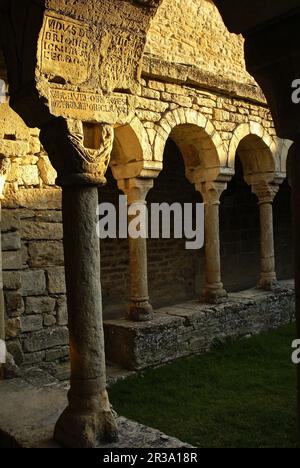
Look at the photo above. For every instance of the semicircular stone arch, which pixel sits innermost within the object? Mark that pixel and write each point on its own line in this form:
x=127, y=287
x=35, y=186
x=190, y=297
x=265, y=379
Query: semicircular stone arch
x=198, y=140
x=259, y=148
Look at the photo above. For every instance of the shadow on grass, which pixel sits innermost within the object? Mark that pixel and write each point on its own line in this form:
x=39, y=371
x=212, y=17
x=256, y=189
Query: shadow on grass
x=241, y=395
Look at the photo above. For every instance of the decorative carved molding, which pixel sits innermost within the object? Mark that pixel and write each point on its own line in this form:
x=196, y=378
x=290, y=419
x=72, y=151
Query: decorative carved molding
x=211, y=191
x=136, y=189
x=74, y=163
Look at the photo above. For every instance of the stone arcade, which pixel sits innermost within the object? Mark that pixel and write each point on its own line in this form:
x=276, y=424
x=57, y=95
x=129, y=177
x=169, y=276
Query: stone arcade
x=114, y=94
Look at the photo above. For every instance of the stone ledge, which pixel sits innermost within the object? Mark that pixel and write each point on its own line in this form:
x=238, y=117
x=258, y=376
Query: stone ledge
x=193, y=328
x=190, y=75
x=28, y=414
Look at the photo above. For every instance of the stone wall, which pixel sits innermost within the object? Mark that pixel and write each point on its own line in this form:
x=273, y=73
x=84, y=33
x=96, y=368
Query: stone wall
x=192, y=32
x=193, y=328
x=33, y=279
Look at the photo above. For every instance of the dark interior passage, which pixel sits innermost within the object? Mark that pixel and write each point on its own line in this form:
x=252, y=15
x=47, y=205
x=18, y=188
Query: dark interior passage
x=175, y=273
x=239, y=234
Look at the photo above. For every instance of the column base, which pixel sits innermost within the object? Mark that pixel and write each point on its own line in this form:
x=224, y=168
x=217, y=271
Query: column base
x=214, y=295
x=86, y=422
x=268, y=283
x=140, y=312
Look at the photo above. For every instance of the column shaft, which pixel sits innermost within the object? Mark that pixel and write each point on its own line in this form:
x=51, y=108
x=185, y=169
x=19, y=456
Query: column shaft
x=212, y=247
x=211, y=192
x=139, y=308
x=268, y=274
x=265, y=193
x=88, y=417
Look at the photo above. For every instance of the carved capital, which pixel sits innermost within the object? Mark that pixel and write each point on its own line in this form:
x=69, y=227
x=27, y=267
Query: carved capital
x=211, y=191
x=265, y=192
x=74, y=163
x=136, y=189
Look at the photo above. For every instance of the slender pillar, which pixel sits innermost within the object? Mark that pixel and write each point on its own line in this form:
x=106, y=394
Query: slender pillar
x=266, y=193
x=88, y=418
x=294, y=166
x=139, y=308
x=211, y=192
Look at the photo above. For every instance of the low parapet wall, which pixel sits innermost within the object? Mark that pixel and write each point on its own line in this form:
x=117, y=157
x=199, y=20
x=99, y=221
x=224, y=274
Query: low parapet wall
x=194, y=328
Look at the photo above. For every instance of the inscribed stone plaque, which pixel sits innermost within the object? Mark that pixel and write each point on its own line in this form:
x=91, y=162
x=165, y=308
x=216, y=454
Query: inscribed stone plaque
x=65, y=48
x=87, y=106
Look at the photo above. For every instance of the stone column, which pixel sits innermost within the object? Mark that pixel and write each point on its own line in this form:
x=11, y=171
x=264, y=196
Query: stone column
x=266, y=193
x=88, y=418
x=139, y=308
x=211, y=192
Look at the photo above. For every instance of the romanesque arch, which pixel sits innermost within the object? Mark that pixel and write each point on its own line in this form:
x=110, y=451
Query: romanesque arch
x=199, y=142
x=257, y=149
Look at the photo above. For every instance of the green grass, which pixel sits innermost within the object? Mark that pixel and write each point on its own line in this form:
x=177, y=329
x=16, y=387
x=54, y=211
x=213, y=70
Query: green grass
x=242, y=395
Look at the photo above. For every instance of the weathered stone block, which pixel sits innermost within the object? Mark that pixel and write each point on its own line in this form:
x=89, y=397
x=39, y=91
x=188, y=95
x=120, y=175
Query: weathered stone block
x=33, y=283
x=156, y=85
x=49, y=320
x=36, y=199
x=10, y=221
x=34, y=358
x=12, y=328
x=11, y=241
x=55, y=354
x=12, y=280
x=56, y=280
x=34, y=145
x=12, y=260
x=139, y=345
x=14, y=304
x=14, y=148
x=47, y=172
x=31, y=323
x=39, y=305
x=46, y=339
x=15, y=349
x=29, y=175
x=41, y=231
x=62, y=311
x=45, y=254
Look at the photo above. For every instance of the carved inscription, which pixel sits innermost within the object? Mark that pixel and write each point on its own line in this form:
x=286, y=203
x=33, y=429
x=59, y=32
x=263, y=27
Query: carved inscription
x=65, y=49
x=88, y=106
x=119, y=64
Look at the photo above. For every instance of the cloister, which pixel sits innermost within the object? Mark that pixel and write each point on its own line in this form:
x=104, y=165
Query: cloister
x=114, y=110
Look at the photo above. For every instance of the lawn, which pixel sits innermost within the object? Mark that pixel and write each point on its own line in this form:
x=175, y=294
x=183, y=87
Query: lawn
x=241, y=395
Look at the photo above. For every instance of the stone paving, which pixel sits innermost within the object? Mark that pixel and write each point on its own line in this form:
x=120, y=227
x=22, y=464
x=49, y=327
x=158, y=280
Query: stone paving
x=28, y=413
